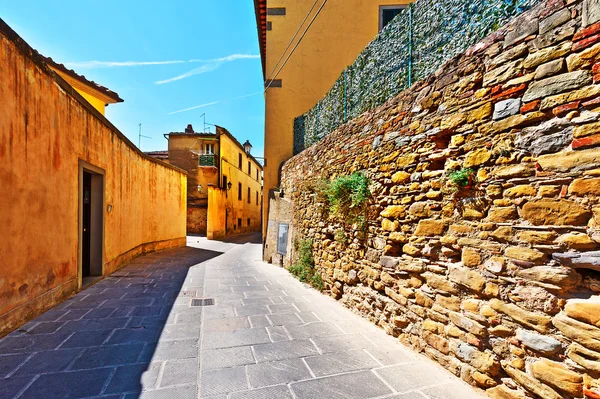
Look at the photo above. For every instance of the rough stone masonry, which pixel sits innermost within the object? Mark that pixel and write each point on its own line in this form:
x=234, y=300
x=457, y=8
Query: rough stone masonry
x=498, y=281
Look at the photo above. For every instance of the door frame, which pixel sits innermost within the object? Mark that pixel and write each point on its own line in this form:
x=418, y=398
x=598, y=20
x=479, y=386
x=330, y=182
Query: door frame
x=85, y=166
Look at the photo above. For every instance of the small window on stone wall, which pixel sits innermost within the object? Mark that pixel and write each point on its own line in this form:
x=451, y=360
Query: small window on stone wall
x=239, y=222
x=248, y=221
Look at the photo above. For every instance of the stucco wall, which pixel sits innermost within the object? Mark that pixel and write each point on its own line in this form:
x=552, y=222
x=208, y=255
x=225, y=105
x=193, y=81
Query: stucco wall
x=497, y=279
x=46, y=128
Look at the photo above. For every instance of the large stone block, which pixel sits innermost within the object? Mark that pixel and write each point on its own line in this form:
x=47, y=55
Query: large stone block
x=466, y=277
x=558, y=212
x=506, y=108
x=539, y=322
x=558, y=376
x=543, y=344
x=585, y=310
x=569, y=160
x=521, y=28
x=584, y=58
x=530, y=383
x=586, y=334
x=558, y=84
x=591, y=12
x=430, y=227
x=547, y=54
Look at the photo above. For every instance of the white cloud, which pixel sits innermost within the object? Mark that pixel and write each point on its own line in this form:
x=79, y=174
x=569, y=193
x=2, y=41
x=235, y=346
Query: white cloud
x=209, y=66
x=117, y=64
x=196, y=107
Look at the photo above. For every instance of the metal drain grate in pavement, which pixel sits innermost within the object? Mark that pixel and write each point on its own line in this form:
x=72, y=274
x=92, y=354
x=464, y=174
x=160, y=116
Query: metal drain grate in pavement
x=202, y=302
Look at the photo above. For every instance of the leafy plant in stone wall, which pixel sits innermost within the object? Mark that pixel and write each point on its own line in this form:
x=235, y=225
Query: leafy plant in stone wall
x=348, y=197
x=464, y=178
x=304, y=266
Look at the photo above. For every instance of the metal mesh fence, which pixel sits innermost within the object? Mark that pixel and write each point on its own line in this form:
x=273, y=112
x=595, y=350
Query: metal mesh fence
x=414, y=45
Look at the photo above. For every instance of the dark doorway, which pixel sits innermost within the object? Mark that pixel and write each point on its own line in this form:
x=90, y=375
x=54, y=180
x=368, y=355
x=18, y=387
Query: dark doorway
x=91, y=223
x=86, y=225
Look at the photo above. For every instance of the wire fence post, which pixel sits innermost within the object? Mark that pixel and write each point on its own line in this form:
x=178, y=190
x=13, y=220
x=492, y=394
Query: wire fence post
x=410, y=43
x=317, y=122
x=345, y=99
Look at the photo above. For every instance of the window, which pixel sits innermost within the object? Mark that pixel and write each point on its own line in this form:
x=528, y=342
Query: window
x=224, y=182
x=388, y=13
x=276, y=11
x=249, y=194
x=249, y=168
x=240, y=161
x=209, y=149
x=257, y=198
x=248, y=221
x=239, y=222
x=256, y=174
x=239, y=191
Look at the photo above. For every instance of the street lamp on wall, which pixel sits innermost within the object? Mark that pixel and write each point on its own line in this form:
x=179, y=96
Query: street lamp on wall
x=229, y=186
x=199, y=188
x=247, y=147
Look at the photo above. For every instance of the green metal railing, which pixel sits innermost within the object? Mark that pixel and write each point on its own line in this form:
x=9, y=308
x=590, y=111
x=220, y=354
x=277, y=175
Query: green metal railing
x=207, y=160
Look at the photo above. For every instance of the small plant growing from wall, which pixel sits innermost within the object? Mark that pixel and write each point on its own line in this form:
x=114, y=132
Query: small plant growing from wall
x=340, y=236
x=348, y=197
x=465, y=178
x=304, y=266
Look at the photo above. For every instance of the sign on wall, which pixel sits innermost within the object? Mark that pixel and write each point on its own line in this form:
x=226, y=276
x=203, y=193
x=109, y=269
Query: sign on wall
x=282, y=238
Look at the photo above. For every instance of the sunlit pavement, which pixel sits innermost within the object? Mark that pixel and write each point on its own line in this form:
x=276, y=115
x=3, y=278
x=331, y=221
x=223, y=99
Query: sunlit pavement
x=136, y=335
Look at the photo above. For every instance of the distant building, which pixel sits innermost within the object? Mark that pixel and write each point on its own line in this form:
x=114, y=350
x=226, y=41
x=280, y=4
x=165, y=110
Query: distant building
x=97, y=95
x=299, y=77
x=224, y=190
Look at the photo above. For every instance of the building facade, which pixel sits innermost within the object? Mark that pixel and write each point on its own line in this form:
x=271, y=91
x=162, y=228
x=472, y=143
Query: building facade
x=224, y=192
x=79, y=200
x=298, y=76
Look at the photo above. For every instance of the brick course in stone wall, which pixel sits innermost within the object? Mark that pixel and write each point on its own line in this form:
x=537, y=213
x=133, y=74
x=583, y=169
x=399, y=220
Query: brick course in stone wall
x=499, y=281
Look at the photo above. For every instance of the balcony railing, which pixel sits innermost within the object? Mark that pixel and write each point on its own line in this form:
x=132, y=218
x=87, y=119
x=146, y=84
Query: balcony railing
x=207, y=160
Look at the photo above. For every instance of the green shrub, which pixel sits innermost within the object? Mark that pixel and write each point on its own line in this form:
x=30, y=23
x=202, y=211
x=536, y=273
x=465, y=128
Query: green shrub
x=304, y=266
x=463, y=178
x=348, y=196
x=348, y=192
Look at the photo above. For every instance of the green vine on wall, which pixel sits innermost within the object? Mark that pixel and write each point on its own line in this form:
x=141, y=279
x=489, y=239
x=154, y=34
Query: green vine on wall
x=304, y=266
x=348, y=197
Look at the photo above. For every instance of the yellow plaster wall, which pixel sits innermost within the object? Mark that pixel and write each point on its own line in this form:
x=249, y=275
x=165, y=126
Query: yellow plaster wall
x=338, y=35
x=236, y=208
x=45, y=130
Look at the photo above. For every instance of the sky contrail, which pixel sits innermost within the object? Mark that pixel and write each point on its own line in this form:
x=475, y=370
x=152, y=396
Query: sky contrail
x=209, y=66
x=214, y=102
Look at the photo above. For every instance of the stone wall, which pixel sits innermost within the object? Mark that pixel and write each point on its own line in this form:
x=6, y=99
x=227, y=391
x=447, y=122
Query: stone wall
x=499, y=281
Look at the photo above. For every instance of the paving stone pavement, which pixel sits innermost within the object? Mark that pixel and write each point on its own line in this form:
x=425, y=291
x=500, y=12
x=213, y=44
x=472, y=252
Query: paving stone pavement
x=135, y=335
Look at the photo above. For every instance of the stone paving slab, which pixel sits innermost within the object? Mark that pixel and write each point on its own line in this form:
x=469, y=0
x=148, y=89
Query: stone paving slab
x=134, y=335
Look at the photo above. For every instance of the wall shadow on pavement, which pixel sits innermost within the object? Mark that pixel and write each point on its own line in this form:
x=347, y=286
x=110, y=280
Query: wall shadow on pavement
x=250, y=238
x=110, y=339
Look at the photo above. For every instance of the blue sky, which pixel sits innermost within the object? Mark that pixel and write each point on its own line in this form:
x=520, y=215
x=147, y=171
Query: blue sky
x=196, y=53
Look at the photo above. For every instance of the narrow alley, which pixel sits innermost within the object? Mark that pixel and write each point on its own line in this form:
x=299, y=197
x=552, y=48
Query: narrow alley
x=139, y=334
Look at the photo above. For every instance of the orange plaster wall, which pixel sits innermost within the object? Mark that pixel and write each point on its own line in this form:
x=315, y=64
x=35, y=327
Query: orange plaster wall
x=46, y=128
